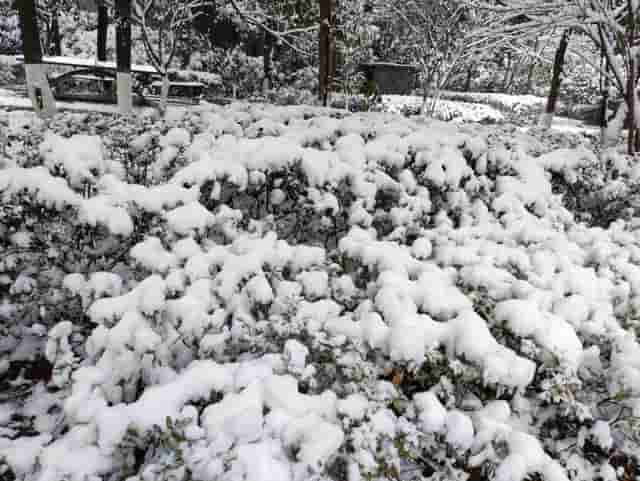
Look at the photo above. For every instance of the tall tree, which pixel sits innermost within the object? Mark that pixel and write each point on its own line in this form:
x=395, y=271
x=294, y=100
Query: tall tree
x=38, y=87
x=103, y=25
x=123, y=56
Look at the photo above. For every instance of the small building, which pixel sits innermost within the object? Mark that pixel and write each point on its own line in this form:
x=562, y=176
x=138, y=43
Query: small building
x=391, y=78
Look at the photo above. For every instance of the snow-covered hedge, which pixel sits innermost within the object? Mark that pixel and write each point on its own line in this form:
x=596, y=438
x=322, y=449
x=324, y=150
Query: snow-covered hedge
x=445, y=110
x=264, y=293
x=516, y=104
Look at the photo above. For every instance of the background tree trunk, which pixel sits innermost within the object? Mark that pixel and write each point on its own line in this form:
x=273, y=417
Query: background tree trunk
x=266, y=57
x=631, y=97
x=103, y=25
x=531, y=68
x=323, y=67
x=333, y=50
x=56, y=38
x=467, y=83
x=123, y=55
x=164, y=93
x=604, y=105
x=507, y=73
x=556, y=80
x=38, y=87
x=327, y=49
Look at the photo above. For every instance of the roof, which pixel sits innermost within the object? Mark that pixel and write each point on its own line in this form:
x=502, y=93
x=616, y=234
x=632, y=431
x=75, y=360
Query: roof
x=90, y=63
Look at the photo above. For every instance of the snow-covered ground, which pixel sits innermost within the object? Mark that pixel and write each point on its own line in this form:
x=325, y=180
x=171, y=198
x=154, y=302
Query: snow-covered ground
x=9, y=99
x=263, y=293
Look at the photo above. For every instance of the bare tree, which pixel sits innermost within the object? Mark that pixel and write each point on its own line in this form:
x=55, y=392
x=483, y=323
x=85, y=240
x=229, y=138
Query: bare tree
x=168, y=20
x=433, y=34
x=611, y=26
x=38, y=87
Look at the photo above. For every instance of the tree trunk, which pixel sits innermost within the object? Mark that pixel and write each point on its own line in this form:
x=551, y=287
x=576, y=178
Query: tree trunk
x=333, y=50
x=327, y=49
x=467, y=82
x=38, y=87
x=507, y=73
x=604, y=105
x=531, y=69
x=325, y=7
x=164, y=93
x=631, y=105
x=266, y=57
x=123, y=56
x=429, y=92
x=56, y=38
x=103, y=26
x=556, y=80
x=631, y=97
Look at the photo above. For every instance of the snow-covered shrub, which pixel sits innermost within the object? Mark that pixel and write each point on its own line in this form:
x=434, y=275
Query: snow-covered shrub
x=10, y=41
x=516, y=106
x=255, y=292
x=445, y=110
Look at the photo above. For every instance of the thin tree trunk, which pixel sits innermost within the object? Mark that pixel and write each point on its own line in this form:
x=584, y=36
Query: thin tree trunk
x=56, y=38
x=333, y=50
x=164, y=93
x=531, y=68
x=631, y=104
x=123, y=56
x=604, y=106
x=46, y=48
x=556, y=80
x=323, y=68
x=327, y=49
x=426, y=81
x=266, y=57
x=507, y=73
x=467, y=83
x=631, y=81
x=38, y=87
x=103, y=26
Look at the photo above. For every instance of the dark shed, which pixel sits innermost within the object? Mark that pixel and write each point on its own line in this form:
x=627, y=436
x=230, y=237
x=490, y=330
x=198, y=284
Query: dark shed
x=391, y=78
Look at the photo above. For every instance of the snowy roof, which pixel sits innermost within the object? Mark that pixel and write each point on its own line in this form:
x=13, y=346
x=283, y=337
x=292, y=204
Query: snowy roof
x=90, y=63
